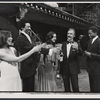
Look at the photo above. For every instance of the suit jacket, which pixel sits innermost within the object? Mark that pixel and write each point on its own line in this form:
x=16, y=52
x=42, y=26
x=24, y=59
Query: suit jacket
x=70, y=64
x=29, y=65
x=94, y=61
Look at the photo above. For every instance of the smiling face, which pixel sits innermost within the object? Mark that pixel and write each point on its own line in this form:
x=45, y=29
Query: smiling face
x=9, y=40
x=70, y=35
x=54, y=38
x=5, y=39
x=91, y=34
x=27, y=26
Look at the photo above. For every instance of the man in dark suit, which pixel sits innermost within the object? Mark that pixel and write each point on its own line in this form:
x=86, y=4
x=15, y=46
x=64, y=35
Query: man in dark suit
x=93, y=59
x=69, y=66
x=28, y=66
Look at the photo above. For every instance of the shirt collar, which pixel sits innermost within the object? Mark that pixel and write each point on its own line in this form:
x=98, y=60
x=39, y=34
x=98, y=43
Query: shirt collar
x=94, y=39
x=27, y=36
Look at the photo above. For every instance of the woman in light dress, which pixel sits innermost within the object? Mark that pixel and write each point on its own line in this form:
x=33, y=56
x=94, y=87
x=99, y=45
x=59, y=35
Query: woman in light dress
x=48, y=66
x=9, y=76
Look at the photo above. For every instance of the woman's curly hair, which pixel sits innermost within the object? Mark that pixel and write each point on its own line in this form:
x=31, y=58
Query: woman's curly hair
x=49, y=37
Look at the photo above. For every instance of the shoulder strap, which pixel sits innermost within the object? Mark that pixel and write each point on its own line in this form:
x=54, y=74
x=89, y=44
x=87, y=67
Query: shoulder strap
x=13, y=50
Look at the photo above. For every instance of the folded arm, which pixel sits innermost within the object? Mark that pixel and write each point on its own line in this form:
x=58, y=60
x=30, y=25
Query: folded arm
x=94, y=55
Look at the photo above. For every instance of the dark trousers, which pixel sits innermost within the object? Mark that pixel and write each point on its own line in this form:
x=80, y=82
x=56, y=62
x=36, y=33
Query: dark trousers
x=28, y=84
x=73, y=79
x=94, y=81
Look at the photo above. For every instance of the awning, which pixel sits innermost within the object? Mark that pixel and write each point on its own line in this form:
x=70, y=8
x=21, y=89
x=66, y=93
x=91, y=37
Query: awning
x=46, y=14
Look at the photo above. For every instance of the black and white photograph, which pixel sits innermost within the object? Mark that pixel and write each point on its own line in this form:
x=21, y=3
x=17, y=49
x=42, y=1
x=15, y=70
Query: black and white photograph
x=50, y=48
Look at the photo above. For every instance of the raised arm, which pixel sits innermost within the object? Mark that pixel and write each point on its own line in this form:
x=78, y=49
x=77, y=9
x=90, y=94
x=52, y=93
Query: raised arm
x=11, y=58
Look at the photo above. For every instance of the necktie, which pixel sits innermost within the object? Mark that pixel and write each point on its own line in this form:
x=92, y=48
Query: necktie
x=91, y=41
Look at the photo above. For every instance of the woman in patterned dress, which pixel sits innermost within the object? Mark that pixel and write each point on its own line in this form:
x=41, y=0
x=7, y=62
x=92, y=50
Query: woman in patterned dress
x=48, y=66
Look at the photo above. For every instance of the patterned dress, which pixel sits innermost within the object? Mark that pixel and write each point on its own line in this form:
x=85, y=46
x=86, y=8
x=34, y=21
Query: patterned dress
x=47, y=71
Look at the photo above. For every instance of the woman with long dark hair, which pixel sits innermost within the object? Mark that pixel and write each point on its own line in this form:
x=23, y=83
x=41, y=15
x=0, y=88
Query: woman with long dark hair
x=9, y=76
x=48, y=66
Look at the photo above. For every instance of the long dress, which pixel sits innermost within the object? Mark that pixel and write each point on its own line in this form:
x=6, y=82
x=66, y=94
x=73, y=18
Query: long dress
x=47, y=72
x=9, y=79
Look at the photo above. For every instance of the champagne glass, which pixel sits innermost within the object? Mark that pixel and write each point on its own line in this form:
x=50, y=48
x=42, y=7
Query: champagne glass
x=74, y=46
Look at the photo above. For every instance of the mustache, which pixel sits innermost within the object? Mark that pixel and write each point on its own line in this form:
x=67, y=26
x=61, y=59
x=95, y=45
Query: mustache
x=68, y=36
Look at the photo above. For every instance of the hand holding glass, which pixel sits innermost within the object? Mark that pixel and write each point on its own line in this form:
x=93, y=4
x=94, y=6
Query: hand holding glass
x=75, y=46
x=56, y=50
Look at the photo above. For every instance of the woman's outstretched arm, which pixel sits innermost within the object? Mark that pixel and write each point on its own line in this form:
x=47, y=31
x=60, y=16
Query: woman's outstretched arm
x=11, y=58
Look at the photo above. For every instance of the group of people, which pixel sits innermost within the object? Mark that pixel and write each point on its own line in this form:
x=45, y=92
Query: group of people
x=46, y=60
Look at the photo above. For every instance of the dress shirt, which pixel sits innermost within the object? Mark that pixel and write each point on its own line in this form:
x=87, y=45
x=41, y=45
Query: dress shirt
x=68, y=49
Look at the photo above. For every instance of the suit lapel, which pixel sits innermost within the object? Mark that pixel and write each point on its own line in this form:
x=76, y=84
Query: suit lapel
x=90, y=46
x=25, y=38
x=65, y=49
x=71, y=50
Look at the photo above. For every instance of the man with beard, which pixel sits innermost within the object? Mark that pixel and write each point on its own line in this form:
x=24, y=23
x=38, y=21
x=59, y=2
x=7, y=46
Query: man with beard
x=69, y=67
x=93, y=59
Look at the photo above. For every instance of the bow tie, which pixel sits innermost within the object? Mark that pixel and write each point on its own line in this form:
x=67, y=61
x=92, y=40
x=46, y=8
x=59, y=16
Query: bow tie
x=70, y=42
